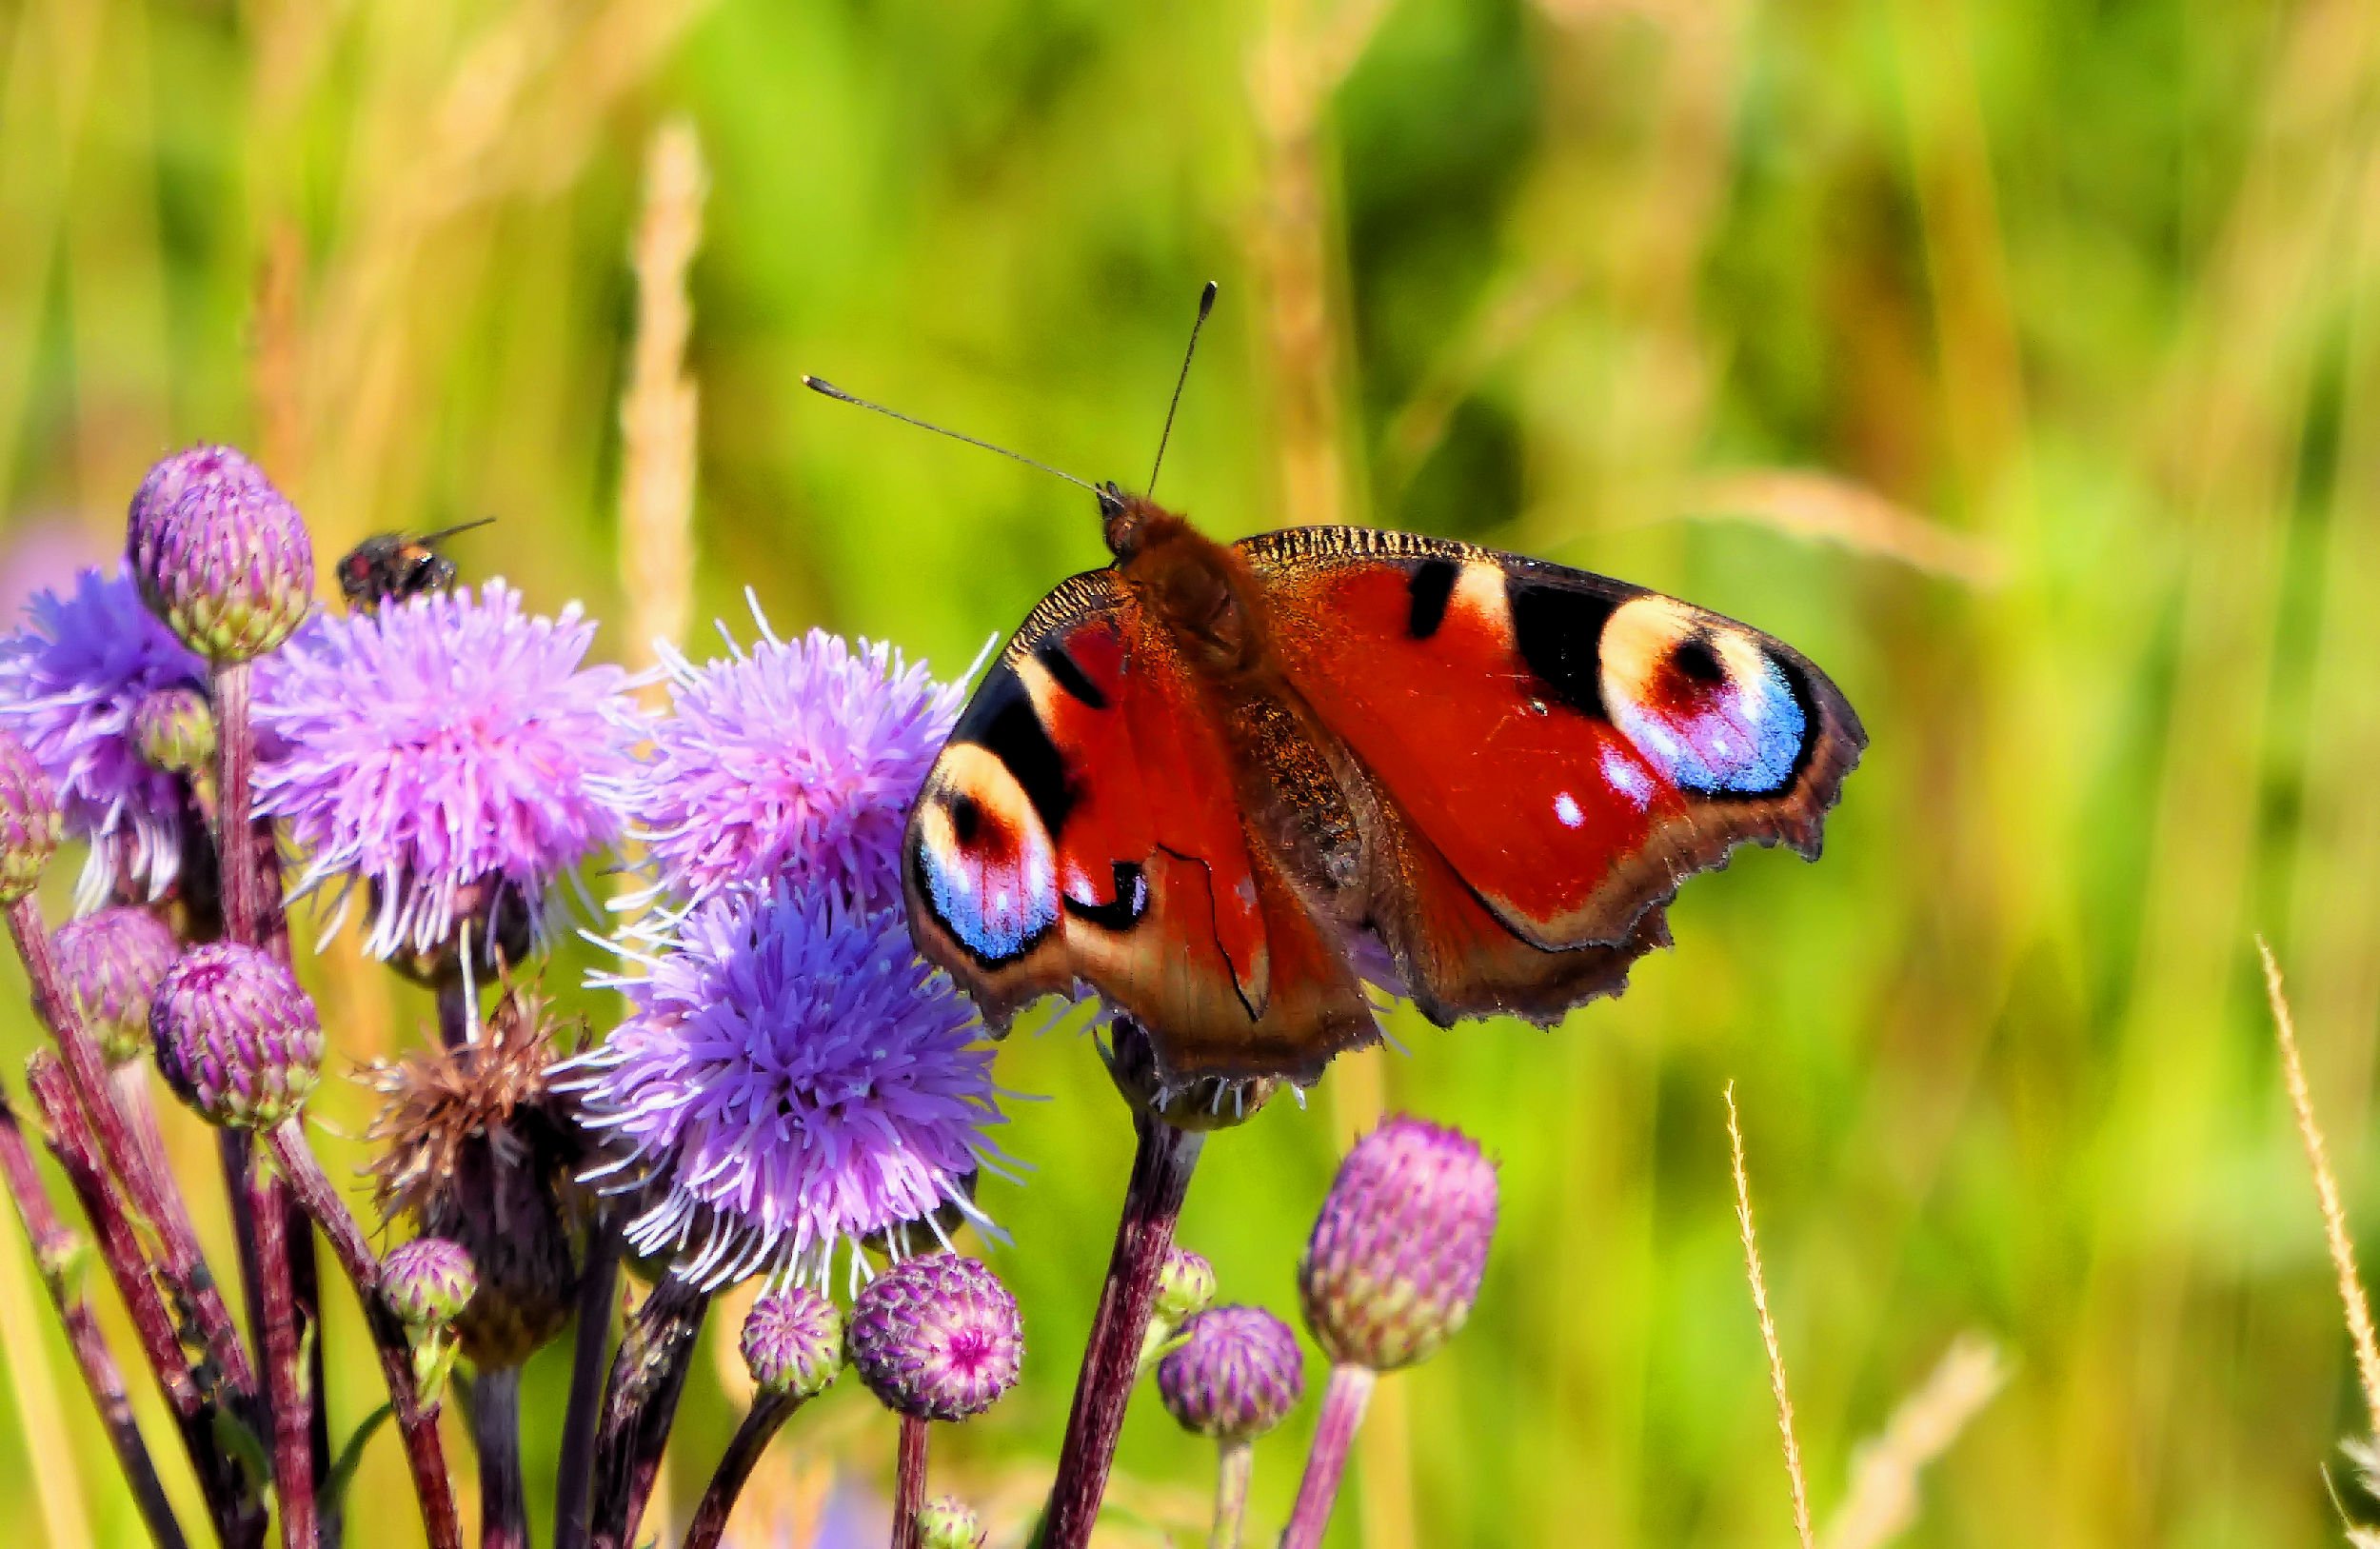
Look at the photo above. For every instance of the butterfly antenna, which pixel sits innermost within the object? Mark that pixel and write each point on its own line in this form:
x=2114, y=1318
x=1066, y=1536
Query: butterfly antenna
x=821, y=384
x=1206, y=304
x=458, y=527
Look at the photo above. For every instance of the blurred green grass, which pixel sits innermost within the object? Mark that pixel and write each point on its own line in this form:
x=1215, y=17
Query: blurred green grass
x=2078, y=304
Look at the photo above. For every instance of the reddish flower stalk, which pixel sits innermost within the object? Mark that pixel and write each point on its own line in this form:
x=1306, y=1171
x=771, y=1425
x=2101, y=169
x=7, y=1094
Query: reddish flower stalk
x=1343, y=1404
x=640, y=1404
x=180, y=1261
x=1161, y=1164
x=195, y=1395
x=761, y=1423
x=909, y=1482
x=292, y=1431
x=591, y=1349
x=54, y=1248
x=417, y=1421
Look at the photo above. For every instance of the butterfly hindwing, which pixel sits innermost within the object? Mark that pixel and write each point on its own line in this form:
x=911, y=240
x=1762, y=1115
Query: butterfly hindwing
x=1566, y=747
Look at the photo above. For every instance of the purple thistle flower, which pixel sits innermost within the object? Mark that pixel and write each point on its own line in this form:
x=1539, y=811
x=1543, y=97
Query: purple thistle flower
x=1396, y=1256
x=1239, y=1371
x=438, y=747
x=112, y=962
x=71, y=683
x=236, y=1037
x=797, y=759
x=789, y=1076
x=936, y=1338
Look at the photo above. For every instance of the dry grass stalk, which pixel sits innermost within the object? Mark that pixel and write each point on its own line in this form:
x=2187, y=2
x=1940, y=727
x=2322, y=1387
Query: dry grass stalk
x=658, y=412
x=1883, y=1501
x=1768, y=1328
x=2325, y=1191
x=1822, y=507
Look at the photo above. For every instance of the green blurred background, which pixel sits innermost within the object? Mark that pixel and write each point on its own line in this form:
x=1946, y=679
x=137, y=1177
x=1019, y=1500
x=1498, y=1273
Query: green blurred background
x=2019, y=360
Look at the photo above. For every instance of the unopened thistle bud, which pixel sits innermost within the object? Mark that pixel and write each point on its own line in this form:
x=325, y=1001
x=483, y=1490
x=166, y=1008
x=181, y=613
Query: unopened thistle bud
x=236, y=1037
x=1395, y=1262
x=936, y=1338
x=29, y=822
x=174, y=728
x=220, y=554
x=428, y=1281
x=1238, y=1372
x=1184, y=1285
x=793, y=1342
x=948, y=1522
x=112, y=962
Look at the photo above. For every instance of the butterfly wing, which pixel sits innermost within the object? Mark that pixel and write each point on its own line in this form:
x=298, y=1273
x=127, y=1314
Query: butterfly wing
x=1084, y=823
x=1553, y=751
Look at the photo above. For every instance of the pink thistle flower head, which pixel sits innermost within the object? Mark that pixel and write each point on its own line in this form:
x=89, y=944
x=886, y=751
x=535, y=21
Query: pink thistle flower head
x=450, y=751
x=29, y=822
x=948, y=1523
x=220, y=554
x=237, y=1039
x=792, y=1342
x=112, y=962
x=936, y=1338
x=1236, y=1374
x=428, y=1281
x=1396, y=1256
x=71, y=684
x=789, y=1077
x=796, y=758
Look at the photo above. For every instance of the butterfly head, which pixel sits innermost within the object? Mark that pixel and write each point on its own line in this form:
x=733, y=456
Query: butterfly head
x=1132, y=523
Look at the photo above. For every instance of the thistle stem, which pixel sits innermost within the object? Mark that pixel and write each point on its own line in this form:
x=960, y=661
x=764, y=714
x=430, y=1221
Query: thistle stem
x=292, y=1431
x=1235, y=1462
x=417, y=1421
x=240, y=866
x=767, y=1415
x=151, y=1190
x=1344, y=1403
x=195, y=1395
x=456, y=1014
x=504, y=1505
x=590, y=1350
x=640, y=1403
x=55, y=1248
x=1163, y=1160
x=909, y=1483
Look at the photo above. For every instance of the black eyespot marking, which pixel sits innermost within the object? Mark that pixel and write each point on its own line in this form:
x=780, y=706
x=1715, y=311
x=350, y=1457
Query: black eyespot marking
x=1068, y=676
x=1131, y=902
x=1694, y=658
x=1559, y=632
x=1433, y=583
x=1001, y=721
x=967, y=817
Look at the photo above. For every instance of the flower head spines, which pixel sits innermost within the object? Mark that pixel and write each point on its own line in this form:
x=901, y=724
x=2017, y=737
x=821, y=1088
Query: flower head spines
x=1395, y=1262
x=174, y=728
x=236, y=1037
x=1236, y=1374
x=112, y=962
x=936, y=1338
x=948, y=1523
x=71, y=683
x=448, y=752
x=790, y=1077
x=220, y=554
x=30, y=823
x=428, y=1281
x=794, y=759
x=792, y=1342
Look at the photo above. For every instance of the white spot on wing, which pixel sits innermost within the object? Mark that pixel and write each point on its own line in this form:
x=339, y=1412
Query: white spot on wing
x=1566, y=808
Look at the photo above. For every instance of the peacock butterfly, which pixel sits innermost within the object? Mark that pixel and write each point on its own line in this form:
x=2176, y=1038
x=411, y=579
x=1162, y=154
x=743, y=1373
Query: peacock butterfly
x=1224, y=784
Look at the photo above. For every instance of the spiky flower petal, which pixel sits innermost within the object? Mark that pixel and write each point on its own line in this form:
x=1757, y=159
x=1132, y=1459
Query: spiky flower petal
x=795, y=759
x=112, y=962
x=792, y=1342
x=1396, y=1259
x=447, y=751
x=936, y=1338
x=220, y=554
x=1238, y=1372
x=236, y=1037
x=429, y=1280
x=790, y=1077
x=71, y=684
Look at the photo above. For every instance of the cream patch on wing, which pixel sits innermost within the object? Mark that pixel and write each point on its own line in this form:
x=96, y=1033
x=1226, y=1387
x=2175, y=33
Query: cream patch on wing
x=985, y=857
